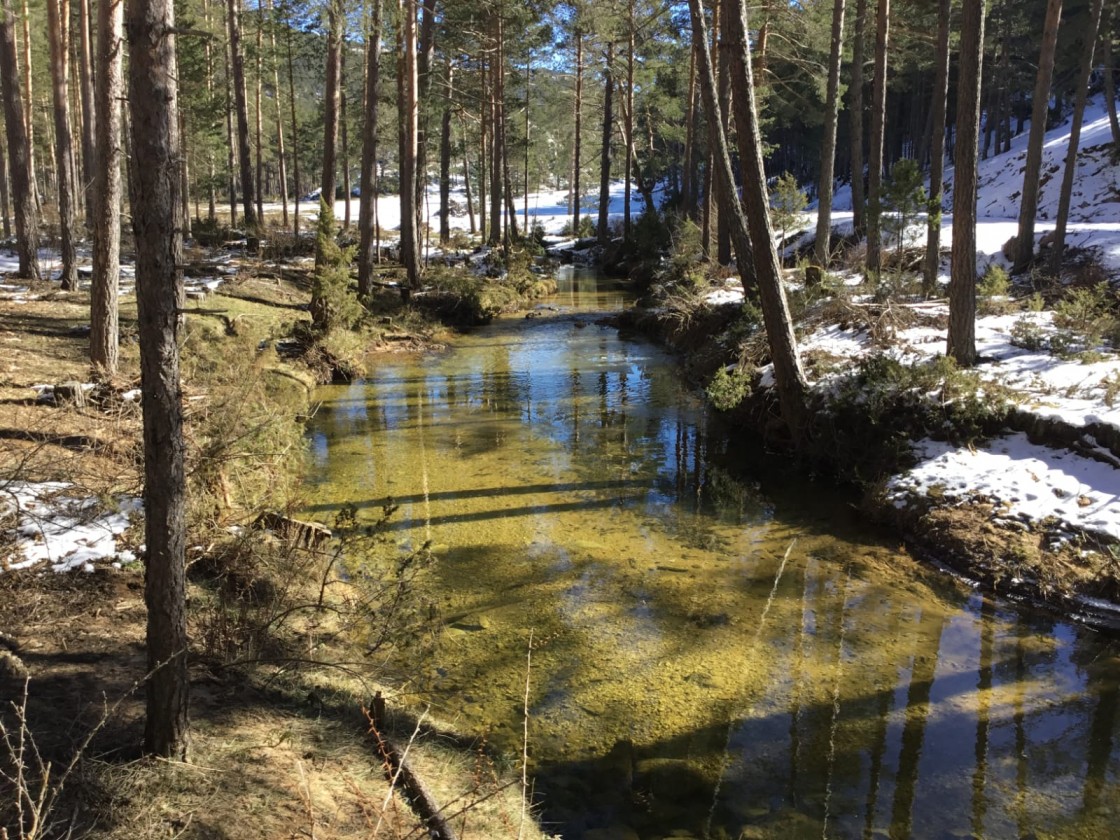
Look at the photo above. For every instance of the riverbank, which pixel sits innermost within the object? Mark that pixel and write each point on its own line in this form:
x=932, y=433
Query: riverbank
x=279, y=741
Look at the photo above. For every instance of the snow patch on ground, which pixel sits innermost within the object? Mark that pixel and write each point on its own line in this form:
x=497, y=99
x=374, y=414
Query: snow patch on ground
x=55, y=527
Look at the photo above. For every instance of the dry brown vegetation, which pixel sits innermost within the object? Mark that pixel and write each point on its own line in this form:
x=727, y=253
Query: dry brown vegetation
x=280, y=747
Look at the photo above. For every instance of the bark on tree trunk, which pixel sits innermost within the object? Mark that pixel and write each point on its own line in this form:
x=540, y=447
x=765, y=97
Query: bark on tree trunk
x=576, y=163
x=231, y=165
x=722, y=221
x=367, y=197
x=259, y=113
x=58, y=16
x=628, y=105
x=19, y=164
x=295, y=130
x=345, y=138
x=89, y=116
x=237, y=62
x=855, y=108
x=104, y=317
x=408, y=108
x=159, y=247
x=602, y=230
x=29, y=109
x=821, y=248
x=5, y=205
x=878, y=123
x=467, y=174
x=1064, y=198
x=333, y=73
x=445, y=162
x=788, y=375
x=962, y=283
x=1028, y=206
x=281, y=156
x=688, y=168
x=937, y=152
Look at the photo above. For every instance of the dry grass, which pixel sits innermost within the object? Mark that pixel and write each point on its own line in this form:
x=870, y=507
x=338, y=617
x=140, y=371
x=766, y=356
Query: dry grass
x=276, y=752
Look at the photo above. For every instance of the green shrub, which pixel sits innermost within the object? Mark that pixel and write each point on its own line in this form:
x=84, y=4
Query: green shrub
x=1027, y=334
x=1089, y=313
x=728, y=388
x=333, y=302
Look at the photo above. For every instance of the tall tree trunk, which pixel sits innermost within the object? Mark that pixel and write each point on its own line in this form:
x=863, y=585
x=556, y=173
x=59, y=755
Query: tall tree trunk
x=628, y=105
x=445, y=161
x=367, y=198
x=788, y=375
x=962, y=282
x=821, y=248
x=58, y=17
x=576, y=163
x=855, y=108
x=496, y=144
x=259, y=112
x=722, y=221
x=281, y=155
x=295, y=128
x=1028, y=205
x=29, y=108
x=688, y=168
x=1059, y=245
x=932, y=260
x=483, y=155
x=408, y=111
x=237, y=62
x=345, y=138
x=231, y=164
x=211, y=169
x=878, y=123
x=89, y=115
x=603, y=230
x=511, y=234
x=104, y=318
x=467, y=174
x=333, y=73
x=19, y=163
x=184, y=217
x=153, y=102
x=425, y=53
x=5, y=203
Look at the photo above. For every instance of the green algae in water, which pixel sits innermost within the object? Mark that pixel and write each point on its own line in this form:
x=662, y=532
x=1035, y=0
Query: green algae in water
x=573, y=490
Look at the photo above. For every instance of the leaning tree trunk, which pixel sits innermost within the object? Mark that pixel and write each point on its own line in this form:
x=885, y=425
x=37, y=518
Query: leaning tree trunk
x=962, y=282
x=723, y=222
x=1109, y=76
x=878, y=124
x=937, y=152
x=367, y=257
x=241, y=105
x=788, y=375
x=1028, y=205
x=153, y=102
x=1059, y=245
x=104, y=318
x=603, y=230
x=828, y=146
x=58, y=16
x=19, y=163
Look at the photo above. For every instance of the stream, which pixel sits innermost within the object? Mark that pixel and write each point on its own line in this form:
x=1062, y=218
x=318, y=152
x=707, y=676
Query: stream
x=713, y=655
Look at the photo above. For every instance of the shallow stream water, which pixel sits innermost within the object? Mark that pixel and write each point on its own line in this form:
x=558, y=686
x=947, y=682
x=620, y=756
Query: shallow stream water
x=713, y=656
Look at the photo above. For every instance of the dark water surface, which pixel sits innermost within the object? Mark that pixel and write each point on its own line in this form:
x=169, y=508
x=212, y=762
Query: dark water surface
x=692, y=674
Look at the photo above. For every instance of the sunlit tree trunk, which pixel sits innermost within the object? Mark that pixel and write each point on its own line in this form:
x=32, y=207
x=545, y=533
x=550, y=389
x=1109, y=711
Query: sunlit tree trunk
x=29, y=108
x=962, y=282
x=628, y=105
x=295, y=129
x=153, y=102
x=5, y=204
x=367, y=199
x=19, y=163
x=445, y=161
x=937, y=152
x=333, y=74
x=1028, y=204
x=722, y=219
x=104, y=319
x=467, y=175
x=828, y=145
x=576, y=163
x=344, y=131
x=688, y=167
x=1109, y=75
x=281, y=154
x=231, y=164
x=259, y=113
x=58, y=17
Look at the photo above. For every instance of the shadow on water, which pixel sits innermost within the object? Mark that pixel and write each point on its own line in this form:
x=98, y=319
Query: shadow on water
x=688, y=679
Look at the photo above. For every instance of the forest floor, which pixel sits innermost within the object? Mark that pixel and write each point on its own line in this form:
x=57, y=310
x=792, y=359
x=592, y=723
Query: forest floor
x=275, y=751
